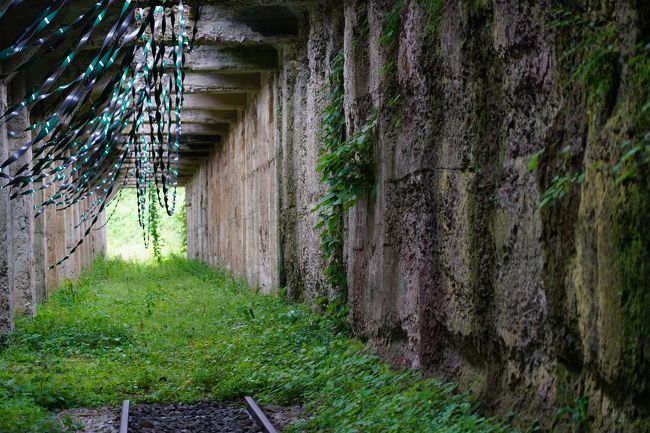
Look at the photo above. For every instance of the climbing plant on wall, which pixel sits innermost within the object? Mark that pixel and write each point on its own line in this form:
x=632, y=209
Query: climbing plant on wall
x=154, y=226
x=88, y=139
x=345, y=165
x=346, y=162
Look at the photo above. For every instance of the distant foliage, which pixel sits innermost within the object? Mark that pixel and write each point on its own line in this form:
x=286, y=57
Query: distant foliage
x=124, y=233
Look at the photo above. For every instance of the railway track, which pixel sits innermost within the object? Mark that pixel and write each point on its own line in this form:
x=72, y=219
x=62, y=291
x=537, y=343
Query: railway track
x=194, y=417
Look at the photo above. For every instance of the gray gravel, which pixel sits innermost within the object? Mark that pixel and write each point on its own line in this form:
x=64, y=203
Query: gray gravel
x=102, y=420
x=201, y=417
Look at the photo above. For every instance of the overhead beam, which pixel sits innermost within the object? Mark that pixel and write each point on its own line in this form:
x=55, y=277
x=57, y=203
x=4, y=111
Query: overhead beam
x=209, y=117
x=221, y=83
x=205, y=83
x=232, y=59
x=232, y=101
x=193, y=129
x=185, y=156
x=240, y=24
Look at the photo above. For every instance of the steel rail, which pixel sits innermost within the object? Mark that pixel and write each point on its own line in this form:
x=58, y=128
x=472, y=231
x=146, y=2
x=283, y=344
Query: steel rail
x=259, y=416
x=124, y=419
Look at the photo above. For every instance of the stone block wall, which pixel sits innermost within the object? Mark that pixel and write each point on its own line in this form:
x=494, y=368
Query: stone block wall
x=452, y=265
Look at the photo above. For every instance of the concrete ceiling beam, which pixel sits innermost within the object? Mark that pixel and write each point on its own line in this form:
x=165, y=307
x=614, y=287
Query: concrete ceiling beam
x=240, y=24
x=232, y=59
x=232, y=101
x=209, y=117
x=221, y=83
x=194, y=129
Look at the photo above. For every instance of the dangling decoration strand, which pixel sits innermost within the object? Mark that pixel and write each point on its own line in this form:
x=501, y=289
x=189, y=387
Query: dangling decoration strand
x=114, y=115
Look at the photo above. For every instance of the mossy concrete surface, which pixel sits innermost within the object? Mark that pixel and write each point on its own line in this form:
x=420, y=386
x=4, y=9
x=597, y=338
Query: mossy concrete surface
x=453, y=266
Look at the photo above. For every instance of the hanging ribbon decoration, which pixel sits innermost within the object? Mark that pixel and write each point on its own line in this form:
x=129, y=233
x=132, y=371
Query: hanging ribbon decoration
x=124, y=109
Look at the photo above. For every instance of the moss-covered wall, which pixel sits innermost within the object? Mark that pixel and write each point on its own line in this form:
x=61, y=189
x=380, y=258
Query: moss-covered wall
x=487, y=109
x=453, y=265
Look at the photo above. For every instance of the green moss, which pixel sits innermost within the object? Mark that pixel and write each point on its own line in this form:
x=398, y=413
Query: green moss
x=633, y=252
x=478, y=5
x=592, y=54
x=632, y=222
x=597, y=70
x=392, y=24
x=635, y=152
x=434, y=15
x=566, y=387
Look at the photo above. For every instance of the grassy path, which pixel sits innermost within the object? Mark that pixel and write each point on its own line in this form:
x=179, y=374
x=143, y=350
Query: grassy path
x=179, y=331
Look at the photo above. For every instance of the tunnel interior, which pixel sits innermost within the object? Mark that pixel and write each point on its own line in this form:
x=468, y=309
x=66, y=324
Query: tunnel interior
x=465, y=183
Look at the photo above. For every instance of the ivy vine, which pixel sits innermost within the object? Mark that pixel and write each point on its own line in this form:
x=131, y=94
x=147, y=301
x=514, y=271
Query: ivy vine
x=345, y=165
x=154, y=226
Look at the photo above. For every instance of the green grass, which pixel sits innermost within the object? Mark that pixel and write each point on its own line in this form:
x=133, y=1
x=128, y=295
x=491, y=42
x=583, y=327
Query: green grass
x=179, y=331
x=125, y=236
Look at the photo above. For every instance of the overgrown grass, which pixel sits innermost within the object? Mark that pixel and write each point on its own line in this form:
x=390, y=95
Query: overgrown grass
x=179, y=331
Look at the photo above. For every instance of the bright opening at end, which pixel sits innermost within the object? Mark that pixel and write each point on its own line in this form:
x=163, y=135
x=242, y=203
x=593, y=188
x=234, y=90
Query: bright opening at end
x=126, y=238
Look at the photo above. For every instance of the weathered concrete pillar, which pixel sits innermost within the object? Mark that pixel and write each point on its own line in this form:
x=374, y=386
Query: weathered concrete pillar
x=188, y=219
x=83, y=249
x=22, y=212
x=201, y=220
x=6, y=250
x=40, y=251
x=69, y=236
x=90, y=241
x=61, y=243
x=53, y=229
x=78, y=257
x=100, y=236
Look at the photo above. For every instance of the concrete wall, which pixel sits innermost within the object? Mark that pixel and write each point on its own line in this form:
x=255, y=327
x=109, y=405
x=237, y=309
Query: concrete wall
x=231, y=201
x=30, y=246
x=452, y=265
x=6, y=237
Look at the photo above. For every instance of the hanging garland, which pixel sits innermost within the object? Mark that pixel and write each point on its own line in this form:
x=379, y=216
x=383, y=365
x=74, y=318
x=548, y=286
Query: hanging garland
x=87, y=141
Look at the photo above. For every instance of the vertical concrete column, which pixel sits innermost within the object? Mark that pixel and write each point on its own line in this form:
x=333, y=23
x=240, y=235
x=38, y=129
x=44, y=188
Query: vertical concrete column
x=6, y=249
x=90, y=243
x=40, y=250
x=90, y=240
x=60, y=231
x=22, y=212
x=52, y=231
x=76, y=257
x=69, y=237
x=203, y=219
x=83, y=250
x=100, y=236
x=188, y=218
x=212, y=218
x=98, y=233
